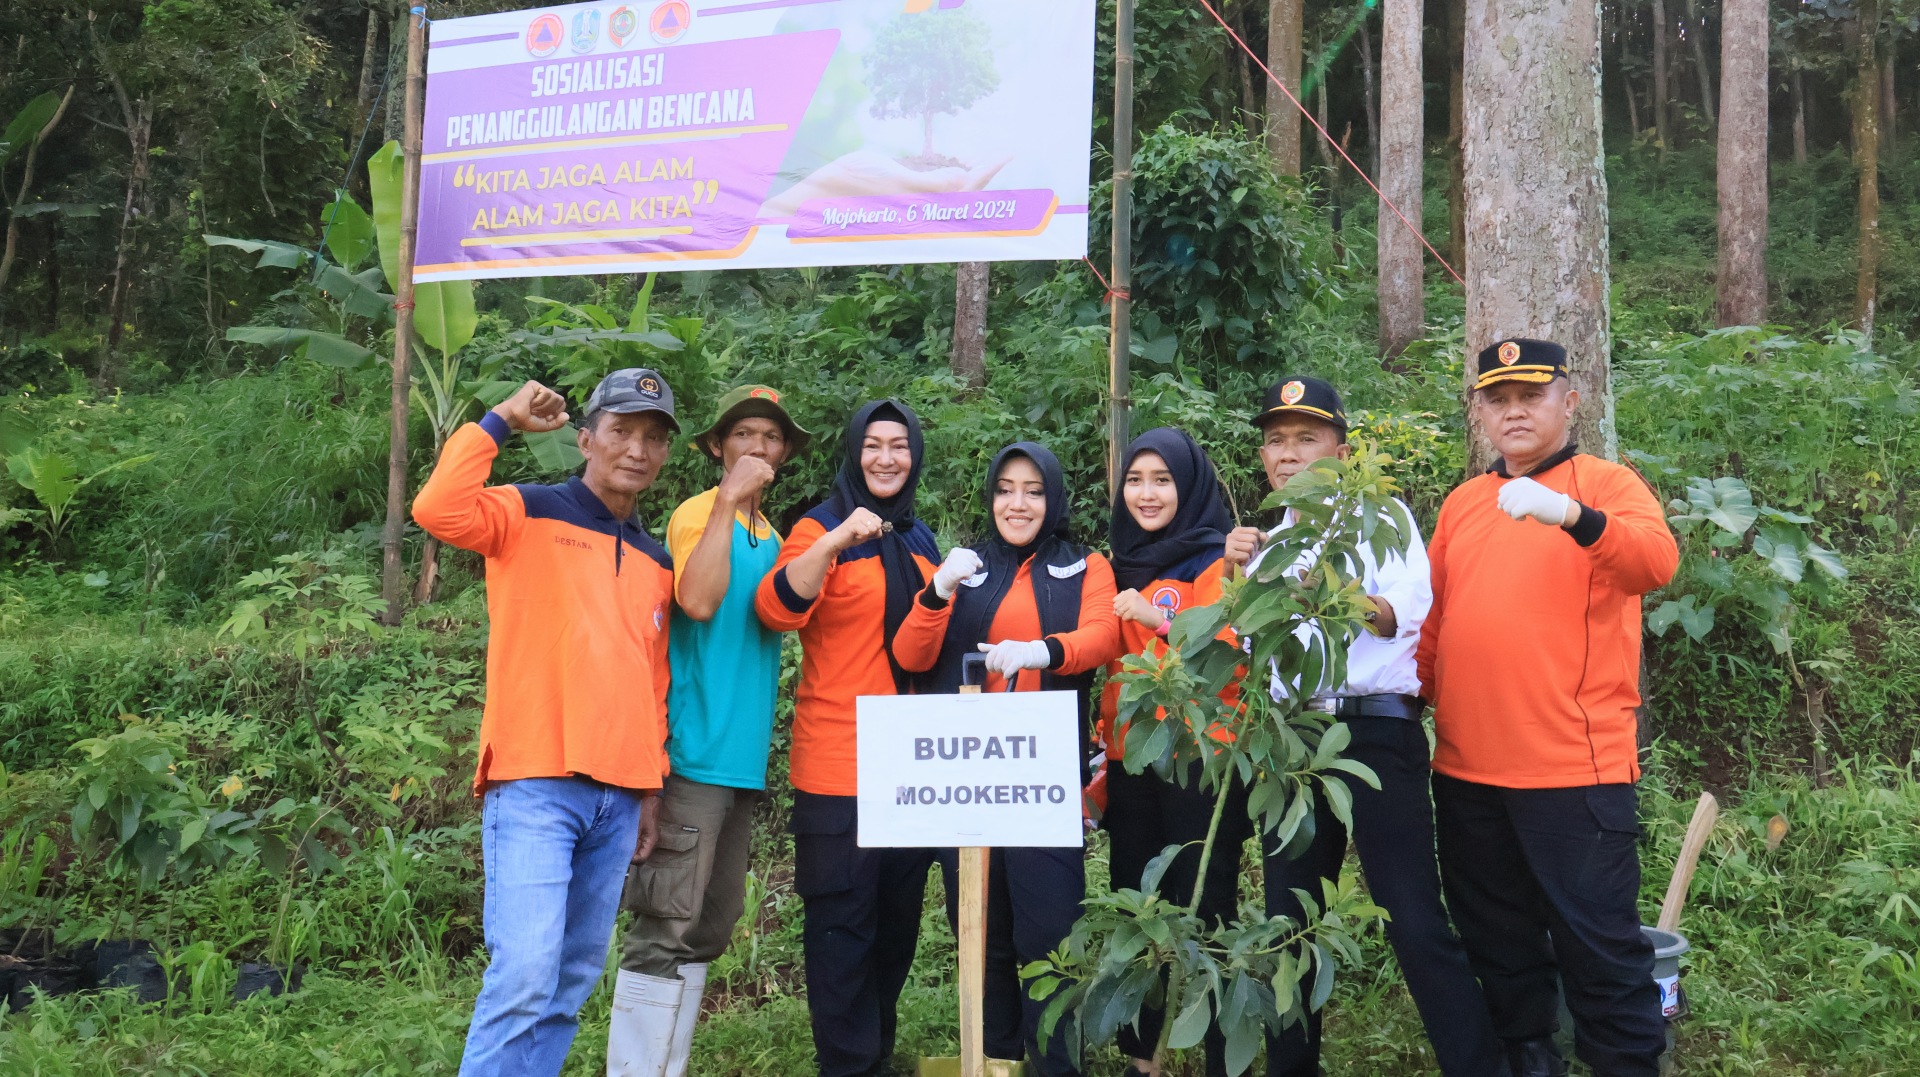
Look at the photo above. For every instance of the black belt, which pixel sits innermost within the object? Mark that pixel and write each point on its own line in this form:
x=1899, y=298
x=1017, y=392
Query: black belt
x=1390, y=706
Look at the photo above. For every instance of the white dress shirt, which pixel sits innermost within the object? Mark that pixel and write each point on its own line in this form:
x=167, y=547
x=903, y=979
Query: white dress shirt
x=1377, y=666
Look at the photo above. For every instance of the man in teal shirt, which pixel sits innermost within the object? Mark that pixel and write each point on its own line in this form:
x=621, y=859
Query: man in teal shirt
x=687, y=896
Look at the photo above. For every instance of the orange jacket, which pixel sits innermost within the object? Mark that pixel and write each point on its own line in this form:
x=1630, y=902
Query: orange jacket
x=842, y=636
x=1094, y=643
x=577, y=607
x=1195, y=583
x=1531, y=654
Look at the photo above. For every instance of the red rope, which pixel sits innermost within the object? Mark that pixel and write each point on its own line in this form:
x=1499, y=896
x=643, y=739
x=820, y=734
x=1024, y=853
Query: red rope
x=398, y=305
x=1112, y=292
x=1411, y=227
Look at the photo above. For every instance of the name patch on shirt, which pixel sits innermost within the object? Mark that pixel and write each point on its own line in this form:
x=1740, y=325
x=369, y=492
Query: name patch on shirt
x=975, y=580
x=1061, y=572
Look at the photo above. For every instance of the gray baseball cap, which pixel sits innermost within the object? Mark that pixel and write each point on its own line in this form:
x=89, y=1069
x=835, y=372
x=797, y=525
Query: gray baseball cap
x=631, y=391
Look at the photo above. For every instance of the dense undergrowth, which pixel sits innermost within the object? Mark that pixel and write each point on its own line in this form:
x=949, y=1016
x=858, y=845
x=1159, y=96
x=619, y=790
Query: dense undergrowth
x=292, y=786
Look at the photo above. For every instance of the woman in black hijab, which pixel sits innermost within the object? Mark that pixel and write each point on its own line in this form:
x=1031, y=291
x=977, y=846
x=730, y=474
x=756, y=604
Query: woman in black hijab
x=1168, y=537
x=1040, y=607
x=845, y=579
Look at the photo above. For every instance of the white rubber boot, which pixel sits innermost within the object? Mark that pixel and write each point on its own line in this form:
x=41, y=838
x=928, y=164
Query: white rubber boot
x=640, y=1035
x=693, y=984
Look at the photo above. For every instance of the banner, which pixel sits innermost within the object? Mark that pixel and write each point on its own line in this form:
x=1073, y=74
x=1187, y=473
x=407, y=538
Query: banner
x=995, y=769
x=713, y=134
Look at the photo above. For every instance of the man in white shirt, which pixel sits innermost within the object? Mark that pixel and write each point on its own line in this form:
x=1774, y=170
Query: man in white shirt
x=1302, y=420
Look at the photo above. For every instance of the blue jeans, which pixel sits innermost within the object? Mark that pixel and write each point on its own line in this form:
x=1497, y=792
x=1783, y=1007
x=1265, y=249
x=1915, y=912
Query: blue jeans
x=556, y=852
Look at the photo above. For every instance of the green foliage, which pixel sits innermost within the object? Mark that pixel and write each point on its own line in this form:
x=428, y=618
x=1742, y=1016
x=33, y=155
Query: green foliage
x=443, y=311
x=54, y=480
x=308, y=602
x=1184, y=711
x=26, y=125
x=929, y=64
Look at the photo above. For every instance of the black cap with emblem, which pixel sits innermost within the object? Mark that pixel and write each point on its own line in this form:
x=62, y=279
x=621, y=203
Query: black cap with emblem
x=1303, y=396
x=1520, y=359
x=631, y=391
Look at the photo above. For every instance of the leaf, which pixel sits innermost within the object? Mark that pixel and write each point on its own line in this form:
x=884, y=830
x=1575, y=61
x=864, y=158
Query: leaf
x=443, y=314
x=384, y=183
x=359, y=292
x=27, y=124
x=272, y=253
x=1191, y=1026
x=1664, y=616
x=328, y=348
x=1697, y=621
x=49, y=476
x=16, y=433
x=556, y=451
x=1827, y=561
x=348, y=231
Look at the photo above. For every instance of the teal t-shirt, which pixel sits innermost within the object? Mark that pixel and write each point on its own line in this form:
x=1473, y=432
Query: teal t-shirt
x=726, y=671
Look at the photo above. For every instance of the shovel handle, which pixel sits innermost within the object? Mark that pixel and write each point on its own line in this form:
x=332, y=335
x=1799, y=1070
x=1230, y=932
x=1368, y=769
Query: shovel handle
x=1699, y=829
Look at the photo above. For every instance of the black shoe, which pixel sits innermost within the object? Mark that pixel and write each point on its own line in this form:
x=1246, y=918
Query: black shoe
x=1536, y=1058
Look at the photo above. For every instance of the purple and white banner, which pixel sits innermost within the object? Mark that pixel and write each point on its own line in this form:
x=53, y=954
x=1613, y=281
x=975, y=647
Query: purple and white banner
x=714, y=134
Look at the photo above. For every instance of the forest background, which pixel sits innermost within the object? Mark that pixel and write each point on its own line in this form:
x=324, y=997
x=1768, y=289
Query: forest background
x=209, y=740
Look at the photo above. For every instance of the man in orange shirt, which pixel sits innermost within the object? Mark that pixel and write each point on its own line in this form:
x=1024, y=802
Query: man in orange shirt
x=575, y=723
x=1531, y=657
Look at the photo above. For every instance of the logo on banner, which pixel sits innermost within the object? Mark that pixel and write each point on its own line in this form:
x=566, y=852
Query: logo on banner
x=1168, y=600
x=1291, y=392
x=621, y=25
x=670, y=21
x=1509, y=353
x=543, y=35
x=586, y=31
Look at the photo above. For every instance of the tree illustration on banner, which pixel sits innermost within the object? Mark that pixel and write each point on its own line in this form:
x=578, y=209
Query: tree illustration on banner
x=936, y=63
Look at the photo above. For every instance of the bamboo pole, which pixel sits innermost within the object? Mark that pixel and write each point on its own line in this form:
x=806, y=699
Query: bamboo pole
x=393, y=583
x=1120, y=347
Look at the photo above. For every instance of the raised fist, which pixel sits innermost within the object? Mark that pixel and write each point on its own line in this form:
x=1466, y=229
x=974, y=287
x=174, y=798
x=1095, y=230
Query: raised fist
x=745, y=479
x=1243, y=543
x=533, y=409
x=961, y=564
x=860, y=526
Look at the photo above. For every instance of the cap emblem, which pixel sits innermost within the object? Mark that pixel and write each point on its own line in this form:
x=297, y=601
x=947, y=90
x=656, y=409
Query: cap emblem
x=765, y=394
x=1291, y=392
x=650, y=386
x=1509, y=353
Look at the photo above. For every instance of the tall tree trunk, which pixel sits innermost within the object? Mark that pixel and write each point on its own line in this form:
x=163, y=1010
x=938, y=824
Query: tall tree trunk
x=139, y=134
x=1369, y=98
x=1402, y=290
x=363, y=101
x=1697, y=31
x=969, y=357
x=1243, y=70
x=1661, y=128
x=1889, y=99
x=393, y=569
x=1537, y=235
x=1799, y=118
x=26, y=185
x=1322, y=147
x=391, y=124
x=1456, y=166
x=1741, y=288
x=1283, y=57
x=1866, y=156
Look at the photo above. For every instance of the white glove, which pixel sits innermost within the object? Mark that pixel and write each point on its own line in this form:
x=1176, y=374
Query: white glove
x=1009, y=657
x=1522, y=498
x=961, y=564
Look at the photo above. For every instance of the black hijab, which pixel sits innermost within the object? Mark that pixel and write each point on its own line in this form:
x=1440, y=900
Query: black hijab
x=1200, y=522
x=1056, y=595
x=850, y=492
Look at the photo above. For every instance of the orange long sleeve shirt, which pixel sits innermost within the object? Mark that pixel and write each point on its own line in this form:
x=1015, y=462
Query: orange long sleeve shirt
x=1195, y=583
x=1531, y=654
x=1095, y=642
x=577, y=606
x=843, y=639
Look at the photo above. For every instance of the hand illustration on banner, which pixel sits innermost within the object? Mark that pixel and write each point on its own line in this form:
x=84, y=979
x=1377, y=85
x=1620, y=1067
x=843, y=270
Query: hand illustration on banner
x=865, y=172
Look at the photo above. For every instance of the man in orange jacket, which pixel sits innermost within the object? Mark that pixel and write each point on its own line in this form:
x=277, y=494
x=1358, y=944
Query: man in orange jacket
x=1531, y=657
x=575, y=723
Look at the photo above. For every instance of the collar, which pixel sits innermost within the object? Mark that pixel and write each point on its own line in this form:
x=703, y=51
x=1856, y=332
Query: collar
x=1500, y=463
x=591, y=504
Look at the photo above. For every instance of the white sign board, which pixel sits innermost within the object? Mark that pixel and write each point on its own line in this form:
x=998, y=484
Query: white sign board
x=994, y=769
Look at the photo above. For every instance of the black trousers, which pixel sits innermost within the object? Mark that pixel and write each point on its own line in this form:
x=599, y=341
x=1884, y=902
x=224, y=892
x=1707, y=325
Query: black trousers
x=1541, y=880
x=1145, y=814
x=1033, y=898
x=861, y=924
x=1393, y=833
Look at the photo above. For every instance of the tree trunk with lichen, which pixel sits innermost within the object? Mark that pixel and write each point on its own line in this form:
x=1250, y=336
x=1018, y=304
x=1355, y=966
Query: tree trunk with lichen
x=1741, y=284
x=1284, y=28
x=1662, y=128
x=1537, y=196
x=968, y=360
x=1402, y=289
x=1866, y=158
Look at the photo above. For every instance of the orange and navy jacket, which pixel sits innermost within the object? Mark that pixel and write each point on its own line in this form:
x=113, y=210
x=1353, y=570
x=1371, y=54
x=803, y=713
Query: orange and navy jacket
x=1531, y=654
x=1094, y=643
x=844, y=647
x=1194, y=582
x=577, y=606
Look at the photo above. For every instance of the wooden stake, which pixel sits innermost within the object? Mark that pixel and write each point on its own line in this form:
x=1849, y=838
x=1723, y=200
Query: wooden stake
x=974, y=868
x=1120, y=346
x=1705, y=814
x=393, y=572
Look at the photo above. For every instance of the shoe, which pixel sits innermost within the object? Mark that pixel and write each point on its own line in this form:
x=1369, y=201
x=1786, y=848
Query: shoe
x=1536, y=1058
x=693, y=984
x=640, y=1031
